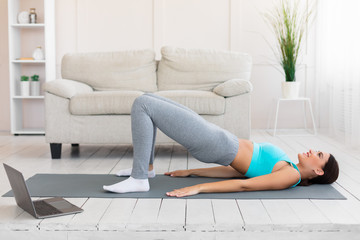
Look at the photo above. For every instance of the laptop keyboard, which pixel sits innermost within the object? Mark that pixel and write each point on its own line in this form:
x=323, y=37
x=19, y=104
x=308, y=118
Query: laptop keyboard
x=43, y=208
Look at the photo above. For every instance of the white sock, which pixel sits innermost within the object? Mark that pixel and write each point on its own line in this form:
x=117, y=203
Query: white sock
x=127, y=172
x=129, y=185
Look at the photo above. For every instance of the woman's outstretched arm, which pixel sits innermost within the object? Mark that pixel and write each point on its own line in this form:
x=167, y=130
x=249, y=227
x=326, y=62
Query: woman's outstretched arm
x=278, y=180
x=216, y=172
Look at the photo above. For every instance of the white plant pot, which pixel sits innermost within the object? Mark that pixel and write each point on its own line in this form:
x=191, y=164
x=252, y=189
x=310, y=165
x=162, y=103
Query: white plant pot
x=25, y=88
x=35, y=88
x=290, y=90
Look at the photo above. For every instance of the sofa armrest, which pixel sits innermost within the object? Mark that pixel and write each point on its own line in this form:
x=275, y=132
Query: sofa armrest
x=233, y=87
x=66, y=88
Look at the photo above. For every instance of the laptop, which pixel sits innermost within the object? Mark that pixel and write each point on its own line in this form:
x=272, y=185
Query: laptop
x=46, y=208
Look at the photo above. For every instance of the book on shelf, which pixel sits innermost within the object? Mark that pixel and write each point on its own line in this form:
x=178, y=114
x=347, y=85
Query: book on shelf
x=25, y=58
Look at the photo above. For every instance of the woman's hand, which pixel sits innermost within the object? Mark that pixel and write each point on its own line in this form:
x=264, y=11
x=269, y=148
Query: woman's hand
x=178, y=173
x=183, y=192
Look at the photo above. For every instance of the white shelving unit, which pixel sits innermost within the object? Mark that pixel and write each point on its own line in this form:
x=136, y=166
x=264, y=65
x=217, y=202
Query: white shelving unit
x=27, y=113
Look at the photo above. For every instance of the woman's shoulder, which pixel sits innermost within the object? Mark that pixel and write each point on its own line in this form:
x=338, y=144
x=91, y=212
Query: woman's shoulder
x=292, y=173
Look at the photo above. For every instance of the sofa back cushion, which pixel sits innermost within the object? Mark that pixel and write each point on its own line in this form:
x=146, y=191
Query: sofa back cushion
x=200, y=69
x=122, y=70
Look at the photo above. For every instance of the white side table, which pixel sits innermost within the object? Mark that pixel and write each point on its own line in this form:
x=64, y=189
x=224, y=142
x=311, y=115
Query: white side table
x=305, y=100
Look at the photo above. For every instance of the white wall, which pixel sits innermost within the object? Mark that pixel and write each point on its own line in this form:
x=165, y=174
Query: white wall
x=110, y=25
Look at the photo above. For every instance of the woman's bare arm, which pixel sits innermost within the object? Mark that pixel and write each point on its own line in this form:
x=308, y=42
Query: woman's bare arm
x=219, y=172
x=278, y=180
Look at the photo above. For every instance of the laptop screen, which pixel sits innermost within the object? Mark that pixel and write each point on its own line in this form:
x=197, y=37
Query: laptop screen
x=20, y=189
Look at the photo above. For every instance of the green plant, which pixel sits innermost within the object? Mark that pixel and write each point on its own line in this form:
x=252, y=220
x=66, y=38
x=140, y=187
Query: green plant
x=288, y=22
x=24, y=78
x=35, y=78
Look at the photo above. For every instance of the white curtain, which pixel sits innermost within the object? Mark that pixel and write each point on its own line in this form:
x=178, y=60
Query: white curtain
x=338, y=68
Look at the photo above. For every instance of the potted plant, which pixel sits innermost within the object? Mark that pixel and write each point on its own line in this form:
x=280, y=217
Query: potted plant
x=24, y=86
x=288, y=21
x=35, y=85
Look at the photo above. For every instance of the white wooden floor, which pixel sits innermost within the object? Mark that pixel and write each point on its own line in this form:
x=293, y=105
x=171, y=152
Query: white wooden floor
x=178, y=218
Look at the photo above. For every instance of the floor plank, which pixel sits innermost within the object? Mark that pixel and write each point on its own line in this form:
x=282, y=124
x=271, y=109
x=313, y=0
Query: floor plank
x=179, y=158
x=310, y=216
x=171, y=215
x=337, y=214
x=281, y=214
x=117, y=215
x=94, y=209
x=121, y=158
x=227, y=216
x=255, y=215
x=144, y=215
x=163, y=158
x=199, y=215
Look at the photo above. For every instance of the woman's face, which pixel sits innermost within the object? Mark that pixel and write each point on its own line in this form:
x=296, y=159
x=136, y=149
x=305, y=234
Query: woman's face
x=314, y=160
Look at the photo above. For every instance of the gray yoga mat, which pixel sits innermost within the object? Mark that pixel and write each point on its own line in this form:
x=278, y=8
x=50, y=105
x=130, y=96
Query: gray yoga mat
x=90, y=185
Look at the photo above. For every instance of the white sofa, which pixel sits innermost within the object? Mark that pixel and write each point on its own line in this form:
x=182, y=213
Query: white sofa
x=92, y=102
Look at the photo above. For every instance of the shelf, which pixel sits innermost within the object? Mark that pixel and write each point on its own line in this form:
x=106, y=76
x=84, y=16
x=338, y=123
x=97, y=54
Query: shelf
x=28, y=97
x=28, y=61
x=29, y=131
x=27, y=112
x=28, y=25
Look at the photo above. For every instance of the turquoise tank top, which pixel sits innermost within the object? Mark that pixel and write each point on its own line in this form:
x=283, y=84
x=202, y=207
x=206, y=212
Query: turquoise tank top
x=264, y=157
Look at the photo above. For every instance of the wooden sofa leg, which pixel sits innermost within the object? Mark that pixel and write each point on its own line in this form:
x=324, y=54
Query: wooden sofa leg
x=75, y=145
x=55, y=149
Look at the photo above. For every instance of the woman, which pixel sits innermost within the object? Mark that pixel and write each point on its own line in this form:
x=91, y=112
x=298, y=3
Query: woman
x=266, y=166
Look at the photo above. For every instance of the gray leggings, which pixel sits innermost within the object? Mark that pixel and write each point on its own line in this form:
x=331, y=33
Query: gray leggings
x=204, y=140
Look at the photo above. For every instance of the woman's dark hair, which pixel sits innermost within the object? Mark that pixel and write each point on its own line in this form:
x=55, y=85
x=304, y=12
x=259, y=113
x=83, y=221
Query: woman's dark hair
x=331, y=173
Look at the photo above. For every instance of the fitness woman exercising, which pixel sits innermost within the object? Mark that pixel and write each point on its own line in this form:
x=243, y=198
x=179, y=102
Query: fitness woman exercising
x=262, y=166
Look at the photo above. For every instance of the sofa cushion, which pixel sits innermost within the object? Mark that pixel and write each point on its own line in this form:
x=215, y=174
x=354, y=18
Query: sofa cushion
x=120, y=102
x=202, y=102
x=66, y=88
x=200, y=69
x=123, y=70
x=103, y=102
x=233, y=87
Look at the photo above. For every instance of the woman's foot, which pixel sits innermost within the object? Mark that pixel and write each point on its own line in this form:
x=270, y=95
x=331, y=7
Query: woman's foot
x=127, y=172
x=129, y=185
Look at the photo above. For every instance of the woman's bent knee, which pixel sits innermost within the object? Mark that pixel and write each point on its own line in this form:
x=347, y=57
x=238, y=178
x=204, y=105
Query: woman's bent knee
x=140, y=102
